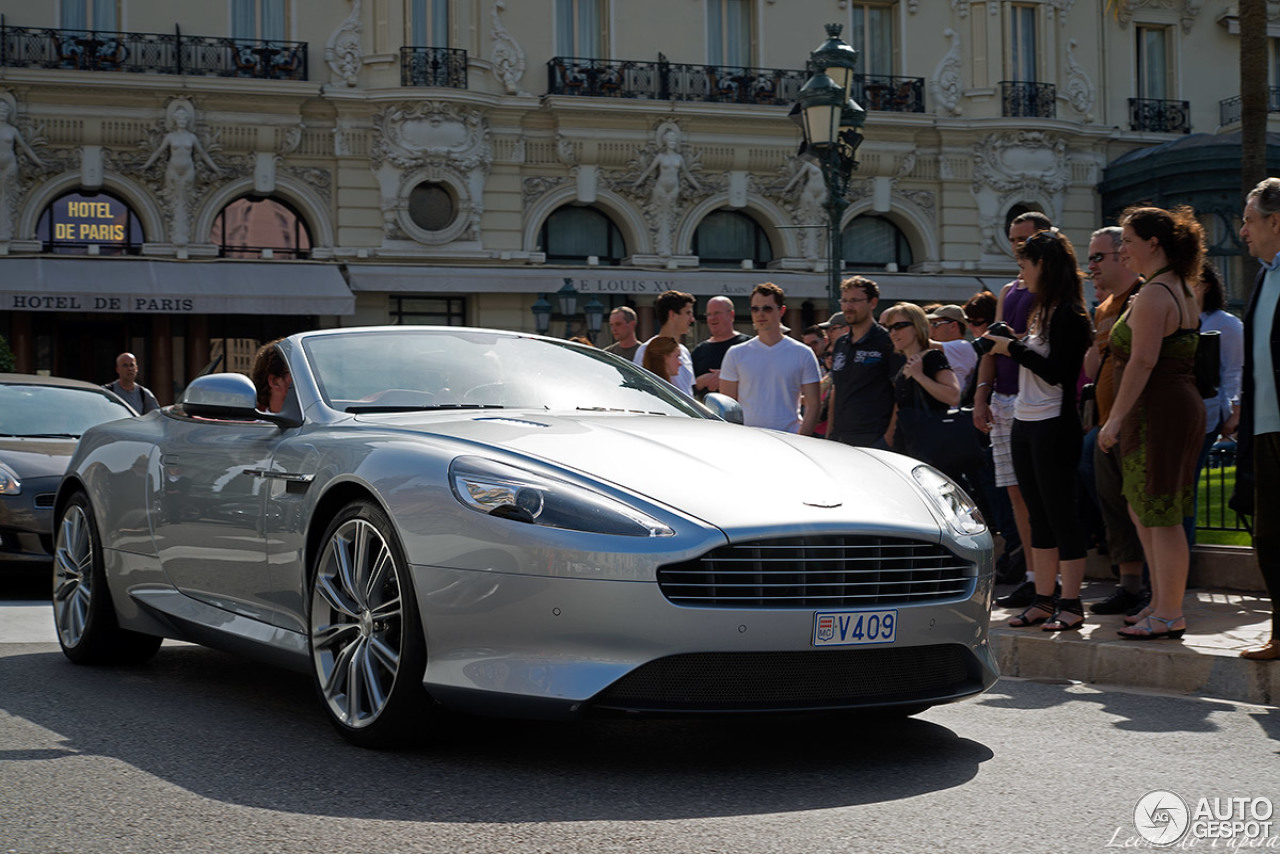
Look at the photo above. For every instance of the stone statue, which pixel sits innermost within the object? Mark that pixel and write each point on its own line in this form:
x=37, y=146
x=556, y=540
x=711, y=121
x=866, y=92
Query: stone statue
x=181, y=143
x=811, y=205
x=10, y=141
x=664, y=198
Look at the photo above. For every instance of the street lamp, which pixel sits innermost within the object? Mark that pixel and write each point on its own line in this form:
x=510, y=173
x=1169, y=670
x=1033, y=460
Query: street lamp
x=567, y=299
x=830, y=120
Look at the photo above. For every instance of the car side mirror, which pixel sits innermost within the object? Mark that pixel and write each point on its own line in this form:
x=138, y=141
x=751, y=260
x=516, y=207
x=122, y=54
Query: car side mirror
x=724, y=407
x=229, y=397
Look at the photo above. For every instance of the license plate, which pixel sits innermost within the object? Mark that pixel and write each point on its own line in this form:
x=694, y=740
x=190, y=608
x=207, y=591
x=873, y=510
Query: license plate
x=851, y=628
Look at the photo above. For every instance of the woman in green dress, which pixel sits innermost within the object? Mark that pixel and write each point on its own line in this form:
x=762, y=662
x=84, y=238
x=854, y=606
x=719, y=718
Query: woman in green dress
x=1157, y=421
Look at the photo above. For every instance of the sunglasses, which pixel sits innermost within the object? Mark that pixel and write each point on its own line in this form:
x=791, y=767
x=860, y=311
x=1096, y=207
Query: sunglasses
x=941, y=321
x=976, y=321
x=901, y=324
x=1097, y=257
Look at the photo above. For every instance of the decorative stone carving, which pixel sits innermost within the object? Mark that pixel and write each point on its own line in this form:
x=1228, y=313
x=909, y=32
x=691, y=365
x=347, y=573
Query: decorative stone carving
x=1187, y=10
x=1017, y=167
x=671, y=170
x=961, y=7
x=810, y=205
x=925, y=200
x=319, y=180
x=507, y=55
x=433, y=141
x=947, y=82
x=181, y=144
x=534, y=187
x=12, y=143
x=913, y=6
x=342, y=53
x=1079, y=89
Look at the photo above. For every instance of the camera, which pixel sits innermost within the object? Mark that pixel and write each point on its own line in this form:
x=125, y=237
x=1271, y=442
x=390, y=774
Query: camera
x=1000, y=329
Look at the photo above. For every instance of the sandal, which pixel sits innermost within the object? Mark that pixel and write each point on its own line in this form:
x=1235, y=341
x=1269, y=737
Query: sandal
x=1043, y=604
x=1058, y=623
x=1148, y=631
x=1139, y=617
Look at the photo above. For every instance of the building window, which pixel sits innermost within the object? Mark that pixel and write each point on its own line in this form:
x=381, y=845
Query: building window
x=580, y=28
x=872, y=36
x=572, y=235
x=429, y=311
x=1022, y=44
x=100, y=15
x=727, y=238
x=873, y=241
x=1153, y=63
x=432, y=206
x=429, y=23
x=89, y=224
x=259, y=19
x=260, y=228
x=729, y=32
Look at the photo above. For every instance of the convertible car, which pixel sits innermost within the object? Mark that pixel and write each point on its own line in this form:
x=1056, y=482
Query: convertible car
x=508, y=524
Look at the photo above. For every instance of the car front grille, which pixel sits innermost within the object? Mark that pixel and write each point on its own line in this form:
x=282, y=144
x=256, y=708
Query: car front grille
x=814, y=679
x=819, y=572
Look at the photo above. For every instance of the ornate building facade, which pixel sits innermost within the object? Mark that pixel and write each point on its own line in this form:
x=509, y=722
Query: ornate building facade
x=176, y=175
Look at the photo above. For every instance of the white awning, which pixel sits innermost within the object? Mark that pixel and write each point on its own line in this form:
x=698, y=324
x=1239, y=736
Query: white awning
x=403, y=279
x=149, y=286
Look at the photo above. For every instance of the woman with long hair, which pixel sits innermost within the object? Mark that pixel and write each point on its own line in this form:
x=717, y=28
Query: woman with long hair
x=925, y=381
x=662, y=357
x=270, y=374
x=1046, y=436
x=1157, y=421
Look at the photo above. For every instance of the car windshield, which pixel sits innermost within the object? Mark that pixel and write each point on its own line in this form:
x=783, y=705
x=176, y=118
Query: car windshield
x=55, y=411
x=387, y=371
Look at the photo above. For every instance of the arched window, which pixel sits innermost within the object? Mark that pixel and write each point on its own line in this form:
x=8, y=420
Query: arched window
x=260, y=228
x=873, y=241
x=573, y=234
x=83, y=223
x=727, y=238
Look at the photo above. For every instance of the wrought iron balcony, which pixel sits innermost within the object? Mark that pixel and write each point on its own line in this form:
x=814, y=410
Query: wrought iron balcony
x=153, y=53
x=1022, y=99
x=1229, y=108
x=672, y=81
x=1156, y=116
x=433, y=66
x=889, y=94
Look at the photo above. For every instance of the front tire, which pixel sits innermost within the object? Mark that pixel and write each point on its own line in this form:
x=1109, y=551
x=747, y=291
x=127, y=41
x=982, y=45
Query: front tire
x=366, y=640
x=83, y=613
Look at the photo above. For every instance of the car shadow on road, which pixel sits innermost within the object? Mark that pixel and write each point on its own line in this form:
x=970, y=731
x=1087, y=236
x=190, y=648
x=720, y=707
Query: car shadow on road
x=244, y=733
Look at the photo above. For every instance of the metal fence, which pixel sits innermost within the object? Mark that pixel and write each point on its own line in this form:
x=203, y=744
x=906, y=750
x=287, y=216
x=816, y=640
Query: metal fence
x=1149, y=114
x=1217, y=482
x=1023, y=99
x=151, y=53
x=433, y=66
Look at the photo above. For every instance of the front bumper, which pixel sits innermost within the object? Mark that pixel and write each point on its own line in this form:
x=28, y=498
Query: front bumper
x=551, y=647
x=26, y=523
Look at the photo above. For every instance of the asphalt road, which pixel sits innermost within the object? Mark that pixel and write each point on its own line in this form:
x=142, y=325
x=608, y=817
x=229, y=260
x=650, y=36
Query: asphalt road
x=199, y=751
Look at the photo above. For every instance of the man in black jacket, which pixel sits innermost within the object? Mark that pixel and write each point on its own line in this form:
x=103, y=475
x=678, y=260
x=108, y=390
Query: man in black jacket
x=1259, y=434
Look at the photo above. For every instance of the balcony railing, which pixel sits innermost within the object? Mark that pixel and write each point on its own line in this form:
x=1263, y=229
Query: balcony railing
x=1021, y=99
x=153, y=53
x=672, y=81
x=1229, y=108
x=889, y=94
x=1149, y=114
x=433, y=66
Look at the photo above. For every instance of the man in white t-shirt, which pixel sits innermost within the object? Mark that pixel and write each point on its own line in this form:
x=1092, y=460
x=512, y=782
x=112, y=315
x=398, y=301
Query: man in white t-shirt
x=771, y=374
x=946, y=327
x=675, y=317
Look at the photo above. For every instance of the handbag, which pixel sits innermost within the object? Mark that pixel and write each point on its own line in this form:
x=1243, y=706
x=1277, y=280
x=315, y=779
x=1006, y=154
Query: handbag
x=1208, y=368
x=948, y=441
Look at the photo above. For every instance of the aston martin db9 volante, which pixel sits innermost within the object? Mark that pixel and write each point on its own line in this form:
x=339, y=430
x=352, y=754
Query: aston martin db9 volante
x=508, y=524
x=41, y=418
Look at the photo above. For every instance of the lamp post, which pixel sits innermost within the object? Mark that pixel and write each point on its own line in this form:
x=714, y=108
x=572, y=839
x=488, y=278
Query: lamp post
x=830, y=120
x=567, y=299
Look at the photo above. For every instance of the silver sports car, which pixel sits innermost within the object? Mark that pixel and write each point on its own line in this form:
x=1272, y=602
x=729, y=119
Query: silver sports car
x=503, y=523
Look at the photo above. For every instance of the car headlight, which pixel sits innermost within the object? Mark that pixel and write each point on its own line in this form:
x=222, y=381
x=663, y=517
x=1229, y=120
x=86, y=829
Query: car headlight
x=961, y=513
x=502, y=490
x=10, y=483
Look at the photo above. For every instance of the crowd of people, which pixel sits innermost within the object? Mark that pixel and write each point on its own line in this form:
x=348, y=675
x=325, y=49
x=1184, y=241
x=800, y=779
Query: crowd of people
x=1106, y=400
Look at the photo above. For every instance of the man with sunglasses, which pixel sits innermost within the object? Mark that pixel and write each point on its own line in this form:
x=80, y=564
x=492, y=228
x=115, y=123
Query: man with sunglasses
x=1118, y=284
x=863, y=366
x=946, y=327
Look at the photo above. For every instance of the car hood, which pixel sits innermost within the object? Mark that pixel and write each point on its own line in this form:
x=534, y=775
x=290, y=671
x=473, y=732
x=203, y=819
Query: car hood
x=37, y=457
x=731, y=476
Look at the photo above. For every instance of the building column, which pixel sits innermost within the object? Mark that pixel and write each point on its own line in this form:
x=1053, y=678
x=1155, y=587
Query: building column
x=160, y=371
